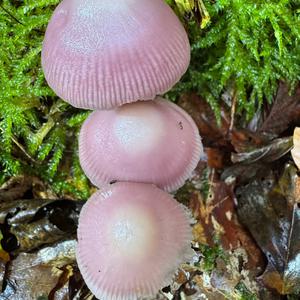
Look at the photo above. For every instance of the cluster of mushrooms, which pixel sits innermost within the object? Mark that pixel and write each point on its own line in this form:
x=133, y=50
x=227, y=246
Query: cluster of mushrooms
x=111, y=56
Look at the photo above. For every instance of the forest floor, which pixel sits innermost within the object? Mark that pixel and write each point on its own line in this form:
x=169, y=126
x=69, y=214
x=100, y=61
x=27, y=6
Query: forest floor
x=244, y=197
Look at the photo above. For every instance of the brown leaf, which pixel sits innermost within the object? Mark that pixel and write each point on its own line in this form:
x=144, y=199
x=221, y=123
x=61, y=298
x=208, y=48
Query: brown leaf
x=15, y=188
x=244, y=140
x=2, y=273
x=222, y=279
x=215, y=158
x=216, y=216
x=243, y=173
x=215, y=135
x=20, y=186
x=296, y=194
x=212, y=134
x=61, y=290
x=33, y=275
x=288, y=185
x=28, y=224
x=284, y=112
x=273, y=218
x=267, y=153
x=209, y=294
x=199, y=234
x=20, y=211
x=77, y=287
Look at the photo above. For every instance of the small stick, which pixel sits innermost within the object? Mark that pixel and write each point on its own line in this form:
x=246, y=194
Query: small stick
x=233, y=110
x=11, y=15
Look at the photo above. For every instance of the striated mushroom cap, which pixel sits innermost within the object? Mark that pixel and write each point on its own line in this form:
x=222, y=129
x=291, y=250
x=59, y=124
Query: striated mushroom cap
x=102, y=54
x=132, y=237
x=153, y=142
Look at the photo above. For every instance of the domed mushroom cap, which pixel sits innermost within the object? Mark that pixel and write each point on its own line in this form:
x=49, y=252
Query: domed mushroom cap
x=153, y=142
x=101, y=54
x=132, y=237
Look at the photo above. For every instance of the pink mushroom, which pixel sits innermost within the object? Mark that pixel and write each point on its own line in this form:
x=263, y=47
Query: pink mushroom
x=102, y=54
x=132, y=237
x=153, y=142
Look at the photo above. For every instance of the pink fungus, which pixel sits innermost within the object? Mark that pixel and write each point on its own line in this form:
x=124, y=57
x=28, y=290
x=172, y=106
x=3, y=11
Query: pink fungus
x=132, y=237
x=102, y=54
x=147, y=141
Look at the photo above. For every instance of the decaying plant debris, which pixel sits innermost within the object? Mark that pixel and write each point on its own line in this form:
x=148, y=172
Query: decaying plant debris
x=244, y=198
x=242, y=90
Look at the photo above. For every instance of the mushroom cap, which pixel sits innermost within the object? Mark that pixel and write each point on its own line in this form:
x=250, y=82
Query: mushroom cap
x=132, y=237
x=102, y=54
x=147, y=141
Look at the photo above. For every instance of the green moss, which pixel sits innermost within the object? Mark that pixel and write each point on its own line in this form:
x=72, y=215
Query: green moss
x=247, y=46
x=210, y=256
x=45, y=297
x=37, y=130
x=244, y=293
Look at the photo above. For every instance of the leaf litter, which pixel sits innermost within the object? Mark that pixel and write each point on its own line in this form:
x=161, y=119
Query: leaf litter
x=244, y=198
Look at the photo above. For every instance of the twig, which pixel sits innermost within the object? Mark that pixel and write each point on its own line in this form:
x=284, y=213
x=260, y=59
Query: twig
x=23, y=149
x=11, y=15
x=233, y=110
x=205, y=17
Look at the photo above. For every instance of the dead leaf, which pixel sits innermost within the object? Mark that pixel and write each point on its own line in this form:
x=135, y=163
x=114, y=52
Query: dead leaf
x=243, y=140
x=212, y=134
x=205, y=292
x=2, y=273
x=4, y=256
x=288, y=184
x=199, y=234
x=15, y=188
x=20, y=211
x=222, y=279
x=220, y=136
x=61, y=290
x=243, y=173
x=77, y=287
x=274, y=221
x=29, y=224
x=267, y=153
x=215, y=158
x=284, y=112
x=20, y=186
x=34, y=275
x=216, y=219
